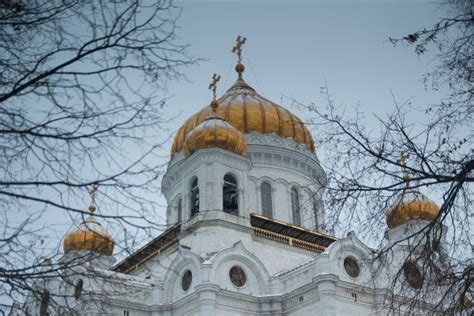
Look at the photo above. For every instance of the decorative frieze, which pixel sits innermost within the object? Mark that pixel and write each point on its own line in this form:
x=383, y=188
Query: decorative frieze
x=288, y=240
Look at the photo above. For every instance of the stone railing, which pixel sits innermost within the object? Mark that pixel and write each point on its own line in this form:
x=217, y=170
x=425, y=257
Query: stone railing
x=288, y=240
x=308, y=245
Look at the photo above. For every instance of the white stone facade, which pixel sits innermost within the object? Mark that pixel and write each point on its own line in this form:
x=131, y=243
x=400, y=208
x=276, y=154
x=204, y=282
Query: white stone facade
x=288, y=268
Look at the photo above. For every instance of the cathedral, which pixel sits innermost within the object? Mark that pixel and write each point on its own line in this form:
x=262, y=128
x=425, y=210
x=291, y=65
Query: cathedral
x=245, y=231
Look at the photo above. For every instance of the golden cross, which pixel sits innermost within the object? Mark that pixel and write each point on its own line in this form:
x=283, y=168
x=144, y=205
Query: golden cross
x=238, y=47
x=403, y=159
x=213, y=85
x=93, y=194
x=403, y=162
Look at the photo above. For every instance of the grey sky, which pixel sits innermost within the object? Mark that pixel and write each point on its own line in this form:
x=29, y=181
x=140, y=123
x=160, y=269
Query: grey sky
x=292, y=48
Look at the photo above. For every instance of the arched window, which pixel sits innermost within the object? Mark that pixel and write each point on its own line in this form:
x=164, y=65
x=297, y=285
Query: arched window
x=316, y=208
x=266, y=193
x=230, y=195
x=194, y=197
x=179, y=207
x=295, y=206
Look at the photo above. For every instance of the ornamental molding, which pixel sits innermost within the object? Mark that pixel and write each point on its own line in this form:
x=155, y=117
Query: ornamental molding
x=354, y=294
x=238, y=252
x=289, y=163
x=302, y=297
x=284, y=155
x=272, y=140
x=184, y=259
x=275, y=140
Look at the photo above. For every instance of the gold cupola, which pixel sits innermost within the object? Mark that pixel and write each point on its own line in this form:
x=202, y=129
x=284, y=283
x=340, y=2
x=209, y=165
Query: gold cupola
x=215, y=132
x=90, y=235
x=410, y=205
x=247, y=111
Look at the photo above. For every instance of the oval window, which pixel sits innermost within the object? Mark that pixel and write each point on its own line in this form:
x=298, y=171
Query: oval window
x=237, y=276
x=413, y=275
x=352, y=267
x=78, y=289
x=186, y=280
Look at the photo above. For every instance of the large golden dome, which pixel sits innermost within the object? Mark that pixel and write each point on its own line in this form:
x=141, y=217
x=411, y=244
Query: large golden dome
x=89, y=236
x=215, y=132
x=411, y=205
x=249, y=112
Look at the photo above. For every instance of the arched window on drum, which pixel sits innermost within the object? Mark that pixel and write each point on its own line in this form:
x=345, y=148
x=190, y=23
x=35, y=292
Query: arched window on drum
x=194, y=197
x=266, y=196
x=230, y=195
x=179, y=209
x=316, y=209
x=295, y=206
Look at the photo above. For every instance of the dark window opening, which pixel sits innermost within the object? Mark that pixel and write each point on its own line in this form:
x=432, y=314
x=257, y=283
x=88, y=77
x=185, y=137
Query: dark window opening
x=230, y=195
x=266, y=194
x=295, y=207
x=194, y=197
x=316, y=210
x=180, y=210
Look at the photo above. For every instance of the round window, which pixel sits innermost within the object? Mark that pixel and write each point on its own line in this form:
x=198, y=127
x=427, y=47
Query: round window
x=186, y=280
x=78, y=289
x=413, y=275
x=352, y=267
x=237, y=276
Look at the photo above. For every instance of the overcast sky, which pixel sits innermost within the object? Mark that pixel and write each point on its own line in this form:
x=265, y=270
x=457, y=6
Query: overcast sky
x=293, y=48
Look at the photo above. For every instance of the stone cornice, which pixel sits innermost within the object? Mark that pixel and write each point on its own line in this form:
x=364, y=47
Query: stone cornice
x=284, y=154
x=273, y=140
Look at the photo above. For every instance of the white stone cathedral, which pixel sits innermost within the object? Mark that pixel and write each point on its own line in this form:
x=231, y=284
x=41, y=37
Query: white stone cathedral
x=246, y=232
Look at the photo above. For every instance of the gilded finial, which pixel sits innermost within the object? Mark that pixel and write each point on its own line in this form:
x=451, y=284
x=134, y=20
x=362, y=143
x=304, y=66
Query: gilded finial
x=238, y=50
x=213, y=85
x=93, y=193
x=213, y=88
x=403, y=162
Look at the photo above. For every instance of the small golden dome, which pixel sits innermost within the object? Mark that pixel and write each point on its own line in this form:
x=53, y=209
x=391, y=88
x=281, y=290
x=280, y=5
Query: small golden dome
x=215, y=132
x=249, y=112
x=89, y=236
x=411, y=205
